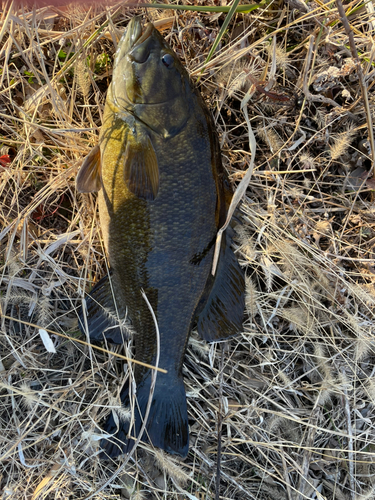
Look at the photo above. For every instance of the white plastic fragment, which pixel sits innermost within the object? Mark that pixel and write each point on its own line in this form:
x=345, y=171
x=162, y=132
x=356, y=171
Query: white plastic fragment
x=48, y=344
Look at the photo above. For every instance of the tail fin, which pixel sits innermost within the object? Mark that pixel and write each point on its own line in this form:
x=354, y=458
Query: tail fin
x=167, y=424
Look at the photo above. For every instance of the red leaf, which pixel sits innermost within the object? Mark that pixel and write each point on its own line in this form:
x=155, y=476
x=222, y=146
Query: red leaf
x=5, y=160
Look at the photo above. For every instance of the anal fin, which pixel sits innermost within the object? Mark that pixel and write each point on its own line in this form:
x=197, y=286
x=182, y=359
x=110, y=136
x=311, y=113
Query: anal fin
x=103, y=318
x=222, y=315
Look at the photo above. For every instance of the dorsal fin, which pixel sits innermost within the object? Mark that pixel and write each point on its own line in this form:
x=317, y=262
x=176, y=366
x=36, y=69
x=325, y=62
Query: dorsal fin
x=223, y=313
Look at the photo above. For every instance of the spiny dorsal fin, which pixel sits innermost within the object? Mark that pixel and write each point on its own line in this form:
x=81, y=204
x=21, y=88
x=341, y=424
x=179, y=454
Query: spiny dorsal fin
x=88, y=178
x=141, y=169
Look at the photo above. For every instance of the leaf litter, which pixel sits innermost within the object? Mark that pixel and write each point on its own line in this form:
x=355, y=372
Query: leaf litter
x=295, y=389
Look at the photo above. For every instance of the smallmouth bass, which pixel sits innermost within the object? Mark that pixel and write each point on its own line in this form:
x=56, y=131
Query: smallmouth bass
x=163, y=195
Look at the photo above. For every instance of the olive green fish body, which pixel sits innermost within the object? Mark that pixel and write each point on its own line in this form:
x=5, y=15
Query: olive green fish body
x=162, y=200
x=152, y=244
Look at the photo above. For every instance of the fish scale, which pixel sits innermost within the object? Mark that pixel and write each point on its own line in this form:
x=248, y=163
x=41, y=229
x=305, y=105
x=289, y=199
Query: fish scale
x=163, y=195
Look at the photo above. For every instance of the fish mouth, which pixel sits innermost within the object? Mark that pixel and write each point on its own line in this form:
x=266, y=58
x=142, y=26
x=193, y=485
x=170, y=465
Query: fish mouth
x=140, y=45
x=136, y=35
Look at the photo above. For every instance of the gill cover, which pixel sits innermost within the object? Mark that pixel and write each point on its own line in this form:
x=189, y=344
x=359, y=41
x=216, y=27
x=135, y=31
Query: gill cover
x=150, y=82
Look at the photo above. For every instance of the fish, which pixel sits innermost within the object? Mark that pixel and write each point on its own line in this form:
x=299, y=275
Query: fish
x=163, y=195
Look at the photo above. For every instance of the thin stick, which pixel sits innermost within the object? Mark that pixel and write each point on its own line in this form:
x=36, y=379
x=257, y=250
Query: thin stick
x=350, y=440
x=219, y=425
x=361, y=78
x=130, y=360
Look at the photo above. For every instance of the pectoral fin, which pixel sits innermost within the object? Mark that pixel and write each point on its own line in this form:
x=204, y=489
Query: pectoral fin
x=141, y=169
x=88, y=178
x=222, y=314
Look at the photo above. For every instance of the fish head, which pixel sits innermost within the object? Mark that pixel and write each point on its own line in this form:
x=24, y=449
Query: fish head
x=149, y=80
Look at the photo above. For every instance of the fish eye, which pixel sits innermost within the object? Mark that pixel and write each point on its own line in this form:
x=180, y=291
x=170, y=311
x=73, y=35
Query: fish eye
x=167, y=60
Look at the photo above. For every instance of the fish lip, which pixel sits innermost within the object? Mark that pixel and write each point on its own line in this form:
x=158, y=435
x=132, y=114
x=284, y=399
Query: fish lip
x=143, y=36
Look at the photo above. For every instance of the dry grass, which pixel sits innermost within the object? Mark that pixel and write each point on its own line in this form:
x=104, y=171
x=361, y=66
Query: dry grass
x=296, y=389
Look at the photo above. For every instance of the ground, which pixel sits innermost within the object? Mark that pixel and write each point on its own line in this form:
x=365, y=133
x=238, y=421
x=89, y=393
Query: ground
x=290, y=399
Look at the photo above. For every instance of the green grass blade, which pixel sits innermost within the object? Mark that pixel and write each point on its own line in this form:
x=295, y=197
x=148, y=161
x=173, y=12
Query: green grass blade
x=231, y=12
x=243, y=9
